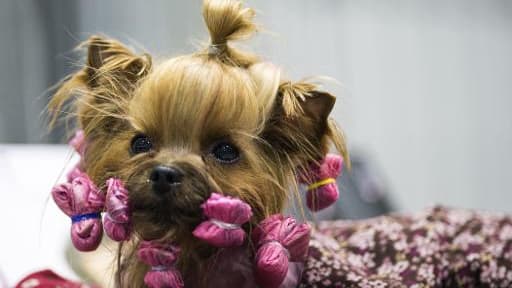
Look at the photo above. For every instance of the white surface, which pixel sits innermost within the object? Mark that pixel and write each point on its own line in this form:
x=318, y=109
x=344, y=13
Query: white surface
x=34, y=231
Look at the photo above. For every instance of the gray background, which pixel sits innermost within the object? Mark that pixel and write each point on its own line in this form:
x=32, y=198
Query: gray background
x=426, y=86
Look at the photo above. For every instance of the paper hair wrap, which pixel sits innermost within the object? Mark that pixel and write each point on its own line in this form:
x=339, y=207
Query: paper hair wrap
x=83, y=202
x=161, y=258
x=78, y=142
x=279, y=240
x=117, y=214
x=225, y=216
x=322, y=190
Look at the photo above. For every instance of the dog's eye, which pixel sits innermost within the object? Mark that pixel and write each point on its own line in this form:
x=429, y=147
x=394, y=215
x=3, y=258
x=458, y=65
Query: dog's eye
x=225, y=152
x=141, y=143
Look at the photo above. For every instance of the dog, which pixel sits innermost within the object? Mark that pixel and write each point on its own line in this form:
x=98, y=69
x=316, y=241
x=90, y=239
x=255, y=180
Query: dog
x=219, y=119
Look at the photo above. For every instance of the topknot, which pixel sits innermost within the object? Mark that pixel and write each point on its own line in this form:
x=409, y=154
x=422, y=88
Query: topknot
x=228, y=20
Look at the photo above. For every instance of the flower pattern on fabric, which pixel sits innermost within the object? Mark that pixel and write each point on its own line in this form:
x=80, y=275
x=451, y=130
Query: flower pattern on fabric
x=440, y=247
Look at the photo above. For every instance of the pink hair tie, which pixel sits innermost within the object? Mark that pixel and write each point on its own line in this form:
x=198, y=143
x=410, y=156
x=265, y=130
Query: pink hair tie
x=226, y=215
x=162, y=259
x=117, y=217
x=280, y=240
x=321, y=180
x=83, y=202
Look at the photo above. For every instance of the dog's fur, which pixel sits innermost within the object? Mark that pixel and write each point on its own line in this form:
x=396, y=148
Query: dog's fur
x=185, y=105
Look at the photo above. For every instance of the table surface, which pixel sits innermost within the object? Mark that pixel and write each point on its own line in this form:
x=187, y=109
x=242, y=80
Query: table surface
x=34, y=231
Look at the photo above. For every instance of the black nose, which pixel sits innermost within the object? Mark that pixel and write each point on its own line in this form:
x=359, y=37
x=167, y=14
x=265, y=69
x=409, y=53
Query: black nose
x=164, y=178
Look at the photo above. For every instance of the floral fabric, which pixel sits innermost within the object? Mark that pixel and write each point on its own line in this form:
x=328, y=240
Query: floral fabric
x=437, y=248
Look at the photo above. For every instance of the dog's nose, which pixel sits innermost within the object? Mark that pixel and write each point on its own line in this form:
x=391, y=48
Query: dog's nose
x=164, y=178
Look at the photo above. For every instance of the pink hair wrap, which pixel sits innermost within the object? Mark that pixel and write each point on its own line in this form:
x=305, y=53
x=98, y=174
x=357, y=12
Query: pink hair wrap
x=73, y=173
x=225, y=217
x=321, y=178
x=161, y=258
x=117, y=217
x=78, y=142
x=83, y=202
x=280, y=240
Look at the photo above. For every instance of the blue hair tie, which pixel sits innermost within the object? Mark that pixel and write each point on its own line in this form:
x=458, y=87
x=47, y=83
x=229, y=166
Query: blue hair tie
x=78, y=218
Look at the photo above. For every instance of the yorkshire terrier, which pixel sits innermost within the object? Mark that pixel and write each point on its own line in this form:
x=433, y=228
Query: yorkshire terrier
x=192, y=161
x=219, y=119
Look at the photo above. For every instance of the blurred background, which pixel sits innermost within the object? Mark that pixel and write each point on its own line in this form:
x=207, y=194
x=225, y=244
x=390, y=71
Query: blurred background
x=425, y=96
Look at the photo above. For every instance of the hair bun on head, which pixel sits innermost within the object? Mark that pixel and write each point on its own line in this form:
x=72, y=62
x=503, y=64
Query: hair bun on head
x=228, y=20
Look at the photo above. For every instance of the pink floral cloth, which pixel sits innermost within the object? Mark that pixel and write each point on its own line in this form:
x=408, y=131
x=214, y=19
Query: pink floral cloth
x=437, y=248
x=49, y=279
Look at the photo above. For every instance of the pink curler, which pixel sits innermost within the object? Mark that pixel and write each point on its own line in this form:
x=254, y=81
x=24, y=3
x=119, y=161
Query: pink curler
x=75, y=172
x=117, y=217
x=226, y=215
x=321, y=180
x=162, y=259
x=78, y=142
x=279, y=240
x=83, y=202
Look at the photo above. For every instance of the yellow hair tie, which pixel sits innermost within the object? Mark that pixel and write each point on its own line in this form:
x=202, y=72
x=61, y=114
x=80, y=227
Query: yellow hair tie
x=321, y=183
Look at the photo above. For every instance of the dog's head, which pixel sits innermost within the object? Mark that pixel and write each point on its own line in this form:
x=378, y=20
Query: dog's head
x=215, y=120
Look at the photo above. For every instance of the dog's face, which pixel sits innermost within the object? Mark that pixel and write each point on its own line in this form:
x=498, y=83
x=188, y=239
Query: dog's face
x=195, y=128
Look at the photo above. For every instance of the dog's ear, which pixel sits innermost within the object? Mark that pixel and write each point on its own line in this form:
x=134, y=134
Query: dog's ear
x=300, y=128
x=109, y=58
x=98, y=92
